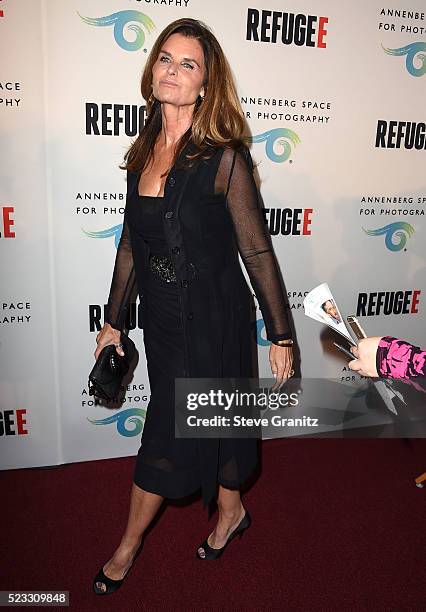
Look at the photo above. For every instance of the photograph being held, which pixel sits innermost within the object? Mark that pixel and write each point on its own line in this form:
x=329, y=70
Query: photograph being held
x=192, y=209
x=329, y=307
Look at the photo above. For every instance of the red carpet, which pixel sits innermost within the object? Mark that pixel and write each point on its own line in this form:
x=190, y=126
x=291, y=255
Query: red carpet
x=337, y=525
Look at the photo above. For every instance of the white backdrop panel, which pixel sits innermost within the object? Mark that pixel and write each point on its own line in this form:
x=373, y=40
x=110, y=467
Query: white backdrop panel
x=327, y=102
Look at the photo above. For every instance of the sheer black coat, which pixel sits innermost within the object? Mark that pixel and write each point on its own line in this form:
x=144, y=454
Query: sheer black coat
x=212, y=212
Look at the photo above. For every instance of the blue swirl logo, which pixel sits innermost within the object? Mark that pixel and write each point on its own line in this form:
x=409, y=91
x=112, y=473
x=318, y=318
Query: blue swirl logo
x=107, y=233
x=135, y=416
x=401, y=230
x=120, y=21
x=260, y=339
x=411, y=51
x=282, y=137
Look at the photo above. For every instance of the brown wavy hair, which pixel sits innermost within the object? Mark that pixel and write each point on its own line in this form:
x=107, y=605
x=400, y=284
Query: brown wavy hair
x=218, y=119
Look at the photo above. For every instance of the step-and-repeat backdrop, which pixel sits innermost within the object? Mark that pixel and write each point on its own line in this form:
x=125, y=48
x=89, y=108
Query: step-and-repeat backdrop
x=334, y=96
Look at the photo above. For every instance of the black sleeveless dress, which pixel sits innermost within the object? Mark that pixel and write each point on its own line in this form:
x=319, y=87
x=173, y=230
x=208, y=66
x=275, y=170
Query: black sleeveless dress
x=164, y=465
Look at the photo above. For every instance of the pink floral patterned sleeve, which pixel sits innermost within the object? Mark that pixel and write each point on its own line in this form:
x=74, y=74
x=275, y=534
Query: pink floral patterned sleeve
x=396, y=358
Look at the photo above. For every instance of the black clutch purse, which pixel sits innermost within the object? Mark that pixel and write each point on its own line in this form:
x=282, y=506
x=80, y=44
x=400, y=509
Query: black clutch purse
x=107, y=374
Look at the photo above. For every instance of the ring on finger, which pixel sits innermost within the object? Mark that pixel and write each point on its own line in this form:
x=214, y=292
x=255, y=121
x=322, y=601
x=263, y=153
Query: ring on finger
x=119, y=345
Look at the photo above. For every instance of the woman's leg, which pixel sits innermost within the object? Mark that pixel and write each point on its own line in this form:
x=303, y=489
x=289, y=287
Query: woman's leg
x=143, y=508
x=231, y=511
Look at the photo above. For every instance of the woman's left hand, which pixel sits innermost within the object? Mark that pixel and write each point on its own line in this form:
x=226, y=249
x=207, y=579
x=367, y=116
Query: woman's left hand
x=281, y=361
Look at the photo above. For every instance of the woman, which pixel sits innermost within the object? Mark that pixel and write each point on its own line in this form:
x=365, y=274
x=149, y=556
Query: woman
x=191, y=206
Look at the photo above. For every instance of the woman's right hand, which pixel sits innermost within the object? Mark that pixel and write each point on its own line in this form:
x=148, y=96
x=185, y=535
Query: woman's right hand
x=108, y=335
x=365, y=356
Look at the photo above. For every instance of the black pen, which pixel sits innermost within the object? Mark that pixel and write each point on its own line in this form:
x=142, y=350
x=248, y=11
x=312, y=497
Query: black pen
x=344, y=350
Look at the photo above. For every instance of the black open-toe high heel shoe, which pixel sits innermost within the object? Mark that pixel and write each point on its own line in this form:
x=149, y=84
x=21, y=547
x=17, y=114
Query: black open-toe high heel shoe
x=215, y=553
x=111, y=585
